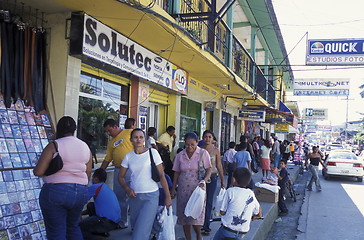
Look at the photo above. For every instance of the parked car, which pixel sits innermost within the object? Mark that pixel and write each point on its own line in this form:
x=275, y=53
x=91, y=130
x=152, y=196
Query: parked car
x=343, y=163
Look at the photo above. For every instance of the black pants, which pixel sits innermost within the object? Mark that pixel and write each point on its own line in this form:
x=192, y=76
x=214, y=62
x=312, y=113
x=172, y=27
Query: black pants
x=281, y=203
x=168, y=165
x=95, y=224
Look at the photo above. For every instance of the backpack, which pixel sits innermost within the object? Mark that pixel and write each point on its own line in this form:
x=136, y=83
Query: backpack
x=282, y=148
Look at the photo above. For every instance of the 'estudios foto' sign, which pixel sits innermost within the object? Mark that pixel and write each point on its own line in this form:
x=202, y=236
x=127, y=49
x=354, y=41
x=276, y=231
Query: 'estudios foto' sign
x=91, y=38
x=335, y=52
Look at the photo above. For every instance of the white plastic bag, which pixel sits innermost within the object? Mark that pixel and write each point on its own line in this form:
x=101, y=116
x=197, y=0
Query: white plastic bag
x=168, y=232
x=158, y=221
x=196, y=202
x=218, y=201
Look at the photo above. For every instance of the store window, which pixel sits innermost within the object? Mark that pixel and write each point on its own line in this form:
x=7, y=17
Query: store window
x=190, y=118
x=99, y=100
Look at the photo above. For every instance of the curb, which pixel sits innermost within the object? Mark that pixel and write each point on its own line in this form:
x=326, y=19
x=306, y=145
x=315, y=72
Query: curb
x=272, y=214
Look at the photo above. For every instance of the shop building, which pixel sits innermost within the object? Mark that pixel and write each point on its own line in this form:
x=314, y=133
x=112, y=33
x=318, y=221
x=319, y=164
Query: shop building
x=195, y=65
x=160, y=64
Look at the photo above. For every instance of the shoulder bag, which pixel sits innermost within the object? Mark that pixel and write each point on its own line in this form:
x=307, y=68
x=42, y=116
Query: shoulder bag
x=201, y=167
x=155, y=172
x=55, y=164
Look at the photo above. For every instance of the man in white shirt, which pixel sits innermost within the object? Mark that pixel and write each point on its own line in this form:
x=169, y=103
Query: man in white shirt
x=239, y=207
x=228, y=162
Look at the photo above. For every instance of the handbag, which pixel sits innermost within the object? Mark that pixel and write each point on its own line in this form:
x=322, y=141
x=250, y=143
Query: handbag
x=55, y=164
x=155, y=172
x=201, y=168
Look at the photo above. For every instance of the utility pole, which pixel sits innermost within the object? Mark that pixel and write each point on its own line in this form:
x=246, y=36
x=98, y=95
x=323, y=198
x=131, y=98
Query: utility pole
x=346, y=121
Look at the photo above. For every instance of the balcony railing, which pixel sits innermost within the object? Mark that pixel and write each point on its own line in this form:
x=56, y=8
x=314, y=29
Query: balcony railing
x=163, y=4
x=215, y=39
x=211, y=37
x=242, y=63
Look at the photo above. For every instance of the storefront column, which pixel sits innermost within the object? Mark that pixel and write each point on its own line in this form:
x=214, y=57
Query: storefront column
x=72, y=87
x=134, y=104
x=173, y=116
x=216, y=126
x=58, y=64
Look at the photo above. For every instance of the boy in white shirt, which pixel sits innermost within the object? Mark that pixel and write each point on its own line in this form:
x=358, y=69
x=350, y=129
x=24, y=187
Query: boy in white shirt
x=238, y=208
x=228, y=162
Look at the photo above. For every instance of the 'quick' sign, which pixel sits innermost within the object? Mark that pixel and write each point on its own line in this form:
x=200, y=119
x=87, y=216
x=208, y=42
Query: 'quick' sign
x=335, y=52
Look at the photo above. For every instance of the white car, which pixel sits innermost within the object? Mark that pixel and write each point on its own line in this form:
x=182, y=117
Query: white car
x=331, y=147
x=343, y=163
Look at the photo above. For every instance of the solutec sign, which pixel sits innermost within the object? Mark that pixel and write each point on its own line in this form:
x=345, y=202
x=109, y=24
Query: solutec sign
x=93, y=39
x=335, y=52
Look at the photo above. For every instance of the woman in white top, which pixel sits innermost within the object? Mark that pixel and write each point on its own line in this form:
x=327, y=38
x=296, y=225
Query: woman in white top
x=143, y=190
x=265, y=158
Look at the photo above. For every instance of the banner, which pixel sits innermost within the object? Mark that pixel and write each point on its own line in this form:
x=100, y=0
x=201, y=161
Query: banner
x=335, y=52
x=321, y=87
x=256, y=116
x=89, y=37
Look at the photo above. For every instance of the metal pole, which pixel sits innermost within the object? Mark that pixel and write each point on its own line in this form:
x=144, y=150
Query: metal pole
x=346, y=121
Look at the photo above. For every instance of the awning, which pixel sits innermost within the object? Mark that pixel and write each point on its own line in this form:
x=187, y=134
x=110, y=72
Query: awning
x=278, y=117
x=284, y=108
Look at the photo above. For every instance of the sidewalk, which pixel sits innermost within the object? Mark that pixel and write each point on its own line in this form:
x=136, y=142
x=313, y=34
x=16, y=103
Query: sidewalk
x=258, y=229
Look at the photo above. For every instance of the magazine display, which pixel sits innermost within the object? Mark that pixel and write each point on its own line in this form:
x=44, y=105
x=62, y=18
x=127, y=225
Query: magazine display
x=23, y=136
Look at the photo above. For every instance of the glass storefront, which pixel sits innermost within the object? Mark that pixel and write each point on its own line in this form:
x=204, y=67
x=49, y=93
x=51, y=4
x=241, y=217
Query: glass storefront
x=190, y=118
x=99, y=100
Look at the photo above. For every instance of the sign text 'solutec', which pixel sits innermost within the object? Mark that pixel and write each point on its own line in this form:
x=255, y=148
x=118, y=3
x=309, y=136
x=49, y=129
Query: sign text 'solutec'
x=93, y=39
x=335, y=52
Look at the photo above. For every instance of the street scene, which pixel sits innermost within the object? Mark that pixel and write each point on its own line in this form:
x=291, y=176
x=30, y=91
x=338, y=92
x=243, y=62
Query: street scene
x=181, y=120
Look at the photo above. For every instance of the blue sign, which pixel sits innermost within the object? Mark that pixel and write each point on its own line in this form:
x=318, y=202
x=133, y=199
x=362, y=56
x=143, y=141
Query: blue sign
x=335, y=52
x=255, y=116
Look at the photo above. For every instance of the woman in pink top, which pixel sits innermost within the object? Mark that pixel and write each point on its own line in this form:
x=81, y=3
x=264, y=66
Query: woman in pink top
x=64, y=193
x=186, y=176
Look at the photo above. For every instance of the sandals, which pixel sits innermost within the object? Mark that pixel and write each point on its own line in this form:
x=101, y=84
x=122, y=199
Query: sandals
x=206, y=233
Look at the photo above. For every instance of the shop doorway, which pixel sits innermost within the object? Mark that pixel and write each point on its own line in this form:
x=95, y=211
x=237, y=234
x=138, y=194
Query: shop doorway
x=225, y=131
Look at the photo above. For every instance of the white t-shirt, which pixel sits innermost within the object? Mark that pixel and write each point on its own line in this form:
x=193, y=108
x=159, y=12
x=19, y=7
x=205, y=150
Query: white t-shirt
x=229, y=155
x=265, y=152
x=149, y=142
x=240, y=205
x=141, y=170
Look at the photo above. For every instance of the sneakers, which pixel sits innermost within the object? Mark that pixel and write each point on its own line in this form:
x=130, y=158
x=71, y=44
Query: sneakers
x=206, y=232
x=283, y=214
x=121, y=226
x=104, y=234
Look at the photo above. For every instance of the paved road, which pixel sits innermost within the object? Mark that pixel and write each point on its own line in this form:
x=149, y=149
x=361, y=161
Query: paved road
x=336, y=213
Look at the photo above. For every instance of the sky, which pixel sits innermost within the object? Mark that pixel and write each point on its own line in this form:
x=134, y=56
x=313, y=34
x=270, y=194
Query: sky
x=323, y=19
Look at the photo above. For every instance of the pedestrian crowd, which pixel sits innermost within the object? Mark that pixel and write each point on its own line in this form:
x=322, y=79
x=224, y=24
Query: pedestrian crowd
x=147, y=176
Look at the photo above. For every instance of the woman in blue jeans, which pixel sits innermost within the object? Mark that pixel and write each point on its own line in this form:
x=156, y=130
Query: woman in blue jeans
x=208, y=137
x=64, y=193
x=143, y=191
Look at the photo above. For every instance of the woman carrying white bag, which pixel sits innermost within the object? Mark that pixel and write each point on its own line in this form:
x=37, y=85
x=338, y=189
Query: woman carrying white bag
x=186, y=176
